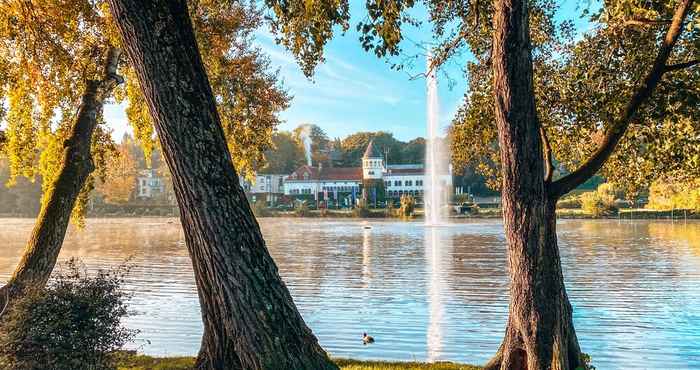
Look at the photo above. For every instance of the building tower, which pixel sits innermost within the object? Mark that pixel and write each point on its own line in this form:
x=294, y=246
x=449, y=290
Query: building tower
x=372, y=175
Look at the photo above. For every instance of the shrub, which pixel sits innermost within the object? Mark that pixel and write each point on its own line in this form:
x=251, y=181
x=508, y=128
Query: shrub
x=301, y=209
x=572, y=202
x=361, y=211
x=390, y=210
x=600, y=202
x=408, y=206
x=73, y=323
x=260, y=209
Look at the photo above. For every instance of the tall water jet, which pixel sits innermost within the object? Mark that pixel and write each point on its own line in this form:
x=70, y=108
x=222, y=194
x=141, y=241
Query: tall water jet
x=433, y=197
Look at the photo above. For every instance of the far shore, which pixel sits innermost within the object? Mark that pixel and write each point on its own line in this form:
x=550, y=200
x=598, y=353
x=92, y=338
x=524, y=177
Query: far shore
x=486, y=213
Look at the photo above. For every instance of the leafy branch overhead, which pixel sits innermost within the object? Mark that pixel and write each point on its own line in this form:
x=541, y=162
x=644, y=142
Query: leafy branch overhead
x=47, y=53
x=582, y=83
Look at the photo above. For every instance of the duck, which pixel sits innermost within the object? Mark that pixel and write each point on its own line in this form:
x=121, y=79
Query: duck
x=366, y=339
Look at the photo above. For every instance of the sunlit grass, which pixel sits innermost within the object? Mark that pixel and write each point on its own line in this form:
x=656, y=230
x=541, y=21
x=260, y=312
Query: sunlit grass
x=141, y=362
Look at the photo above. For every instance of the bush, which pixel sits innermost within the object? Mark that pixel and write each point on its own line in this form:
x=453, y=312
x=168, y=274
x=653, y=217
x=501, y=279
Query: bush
x=572, y=202
x=260, y=209
x=73, y=323
x=600, y=202
x=302, y=209
x=390, y=210
x=361, y=211
x=408, y=206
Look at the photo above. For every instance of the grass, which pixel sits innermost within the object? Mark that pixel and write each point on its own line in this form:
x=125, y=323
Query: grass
x=141, y=362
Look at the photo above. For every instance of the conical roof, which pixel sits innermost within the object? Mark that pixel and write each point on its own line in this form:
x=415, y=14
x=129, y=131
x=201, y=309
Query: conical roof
x=371, y=151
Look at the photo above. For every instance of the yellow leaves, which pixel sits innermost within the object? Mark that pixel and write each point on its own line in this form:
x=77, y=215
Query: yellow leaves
x=21, y=132
x=675, y=195
x=138, y=115
x=120, y=176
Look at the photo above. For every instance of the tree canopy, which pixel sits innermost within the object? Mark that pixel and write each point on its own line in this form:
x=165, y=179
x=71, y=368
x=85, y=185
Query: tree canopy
x=582, y=81
x=48, y=51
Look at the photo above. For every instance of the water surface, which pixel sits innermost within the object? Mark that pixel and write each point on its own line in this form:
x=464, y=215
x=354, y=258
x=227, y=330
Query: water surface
x=423, y=293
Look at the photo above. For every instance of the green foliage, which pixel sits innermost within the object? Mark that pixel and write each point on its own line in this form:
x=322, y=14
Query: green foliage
x=285, y=156
x=408, y=206
x=304, y=27
x=73, y=323
x=260, y=209
x=569, y=202
x=49, y=49
x=301, y=209
x=586, y=360
x=353, y=147
x=361, y=211
x=600, y=202
x=320, y=144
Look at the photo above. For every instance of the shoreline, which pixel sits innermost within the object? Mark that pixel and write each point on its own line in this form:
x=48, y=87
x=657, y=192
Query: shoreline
x=490, y=213
x=144, y=362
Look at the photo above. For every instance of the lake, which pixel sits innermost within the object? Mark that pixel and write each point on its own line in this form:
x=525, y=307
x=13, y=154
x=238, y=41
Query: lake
x=423, y=293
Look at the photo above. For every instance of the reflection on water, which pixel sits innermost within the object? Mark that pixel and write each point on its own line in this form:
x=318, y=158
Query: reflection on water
x=423, y=293
x=437, y=244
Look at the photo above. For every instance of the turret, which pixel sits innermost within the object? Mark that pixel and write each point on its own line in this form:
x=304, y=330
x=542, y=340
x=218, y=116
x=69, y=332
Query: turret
x=372, y=163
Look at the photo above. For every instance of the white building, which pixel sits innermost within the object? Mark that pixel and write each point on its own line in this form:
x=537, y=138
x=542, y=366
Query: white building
x=267, y=187
x=149, y=184
x=341, y=183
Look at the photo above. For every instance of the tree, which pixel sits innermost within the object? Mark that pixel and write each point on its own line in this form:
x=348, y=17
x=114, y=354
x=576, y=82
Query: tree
x=47, y=53
x=508, y=49
x=413, y=151
x=250, y=321
x=354, y=147
x=119, y=179
x=314, y=141
x=41, y=253
x=285, y=156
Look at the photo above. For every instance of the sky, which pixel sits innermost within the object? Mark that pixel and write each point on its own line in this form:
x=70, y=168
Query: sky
x=355, y=91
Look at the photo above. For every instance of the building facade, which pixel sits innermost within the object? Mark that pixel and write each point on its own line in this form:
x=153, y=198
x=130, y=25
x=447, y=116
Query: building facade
x=149, y=185
x=266, y=187
x=375, y=180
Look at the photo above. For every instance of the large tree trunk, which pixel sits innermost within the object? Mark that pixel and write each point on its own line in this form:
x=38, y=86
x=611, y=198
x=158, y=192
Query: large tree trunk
x=44, y=245
x=540, y=333
x=250, y=320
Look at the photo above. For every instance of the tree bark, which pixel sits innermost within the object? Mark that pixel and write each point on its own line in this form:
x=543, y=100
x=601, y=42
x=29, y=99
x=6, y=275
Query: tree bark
x=250, y=320
x=539, y=333
x=41, y=252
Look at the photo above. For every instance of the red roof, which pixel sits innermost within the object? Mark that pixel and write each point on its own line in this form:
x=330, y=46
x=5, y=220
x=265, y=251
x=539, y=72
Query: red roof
x=406, y=171
x=327, y=174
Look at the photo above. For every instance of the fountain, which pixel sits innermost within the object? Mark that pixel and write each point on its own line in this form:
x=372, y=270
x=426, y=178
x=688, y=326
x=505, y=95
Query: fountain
x=433, y=197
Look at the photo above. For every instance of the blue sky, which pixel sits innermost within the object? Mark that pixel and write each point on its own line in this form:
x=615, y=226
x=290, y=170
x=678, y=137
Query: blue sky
x=355, y=91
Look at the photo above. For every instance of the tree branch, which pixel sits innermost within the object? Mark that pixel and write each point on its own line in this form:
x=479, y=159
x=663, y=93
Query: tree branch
x=639, y=21
x=110, y=77
x=548, y=160
x=619, y=127
x=678, y=66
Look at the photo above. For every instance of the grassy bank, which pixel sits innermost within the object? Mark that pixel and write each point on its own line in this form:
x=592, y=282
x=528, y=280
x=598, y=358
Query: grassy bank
x=141, y=362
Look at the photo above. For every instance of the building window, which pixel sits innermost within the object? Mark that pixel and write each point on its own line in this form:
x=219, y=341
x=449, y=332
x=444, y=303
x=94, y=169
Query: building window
x=409, y=183
x=306, y=175
x=371, y=172
x=397, y=183
x=387, y=183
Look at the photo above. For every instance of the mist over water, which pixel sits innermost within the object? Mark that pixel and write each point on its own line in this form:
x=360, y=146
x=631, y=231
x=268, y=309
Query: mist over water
x=424, y=293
